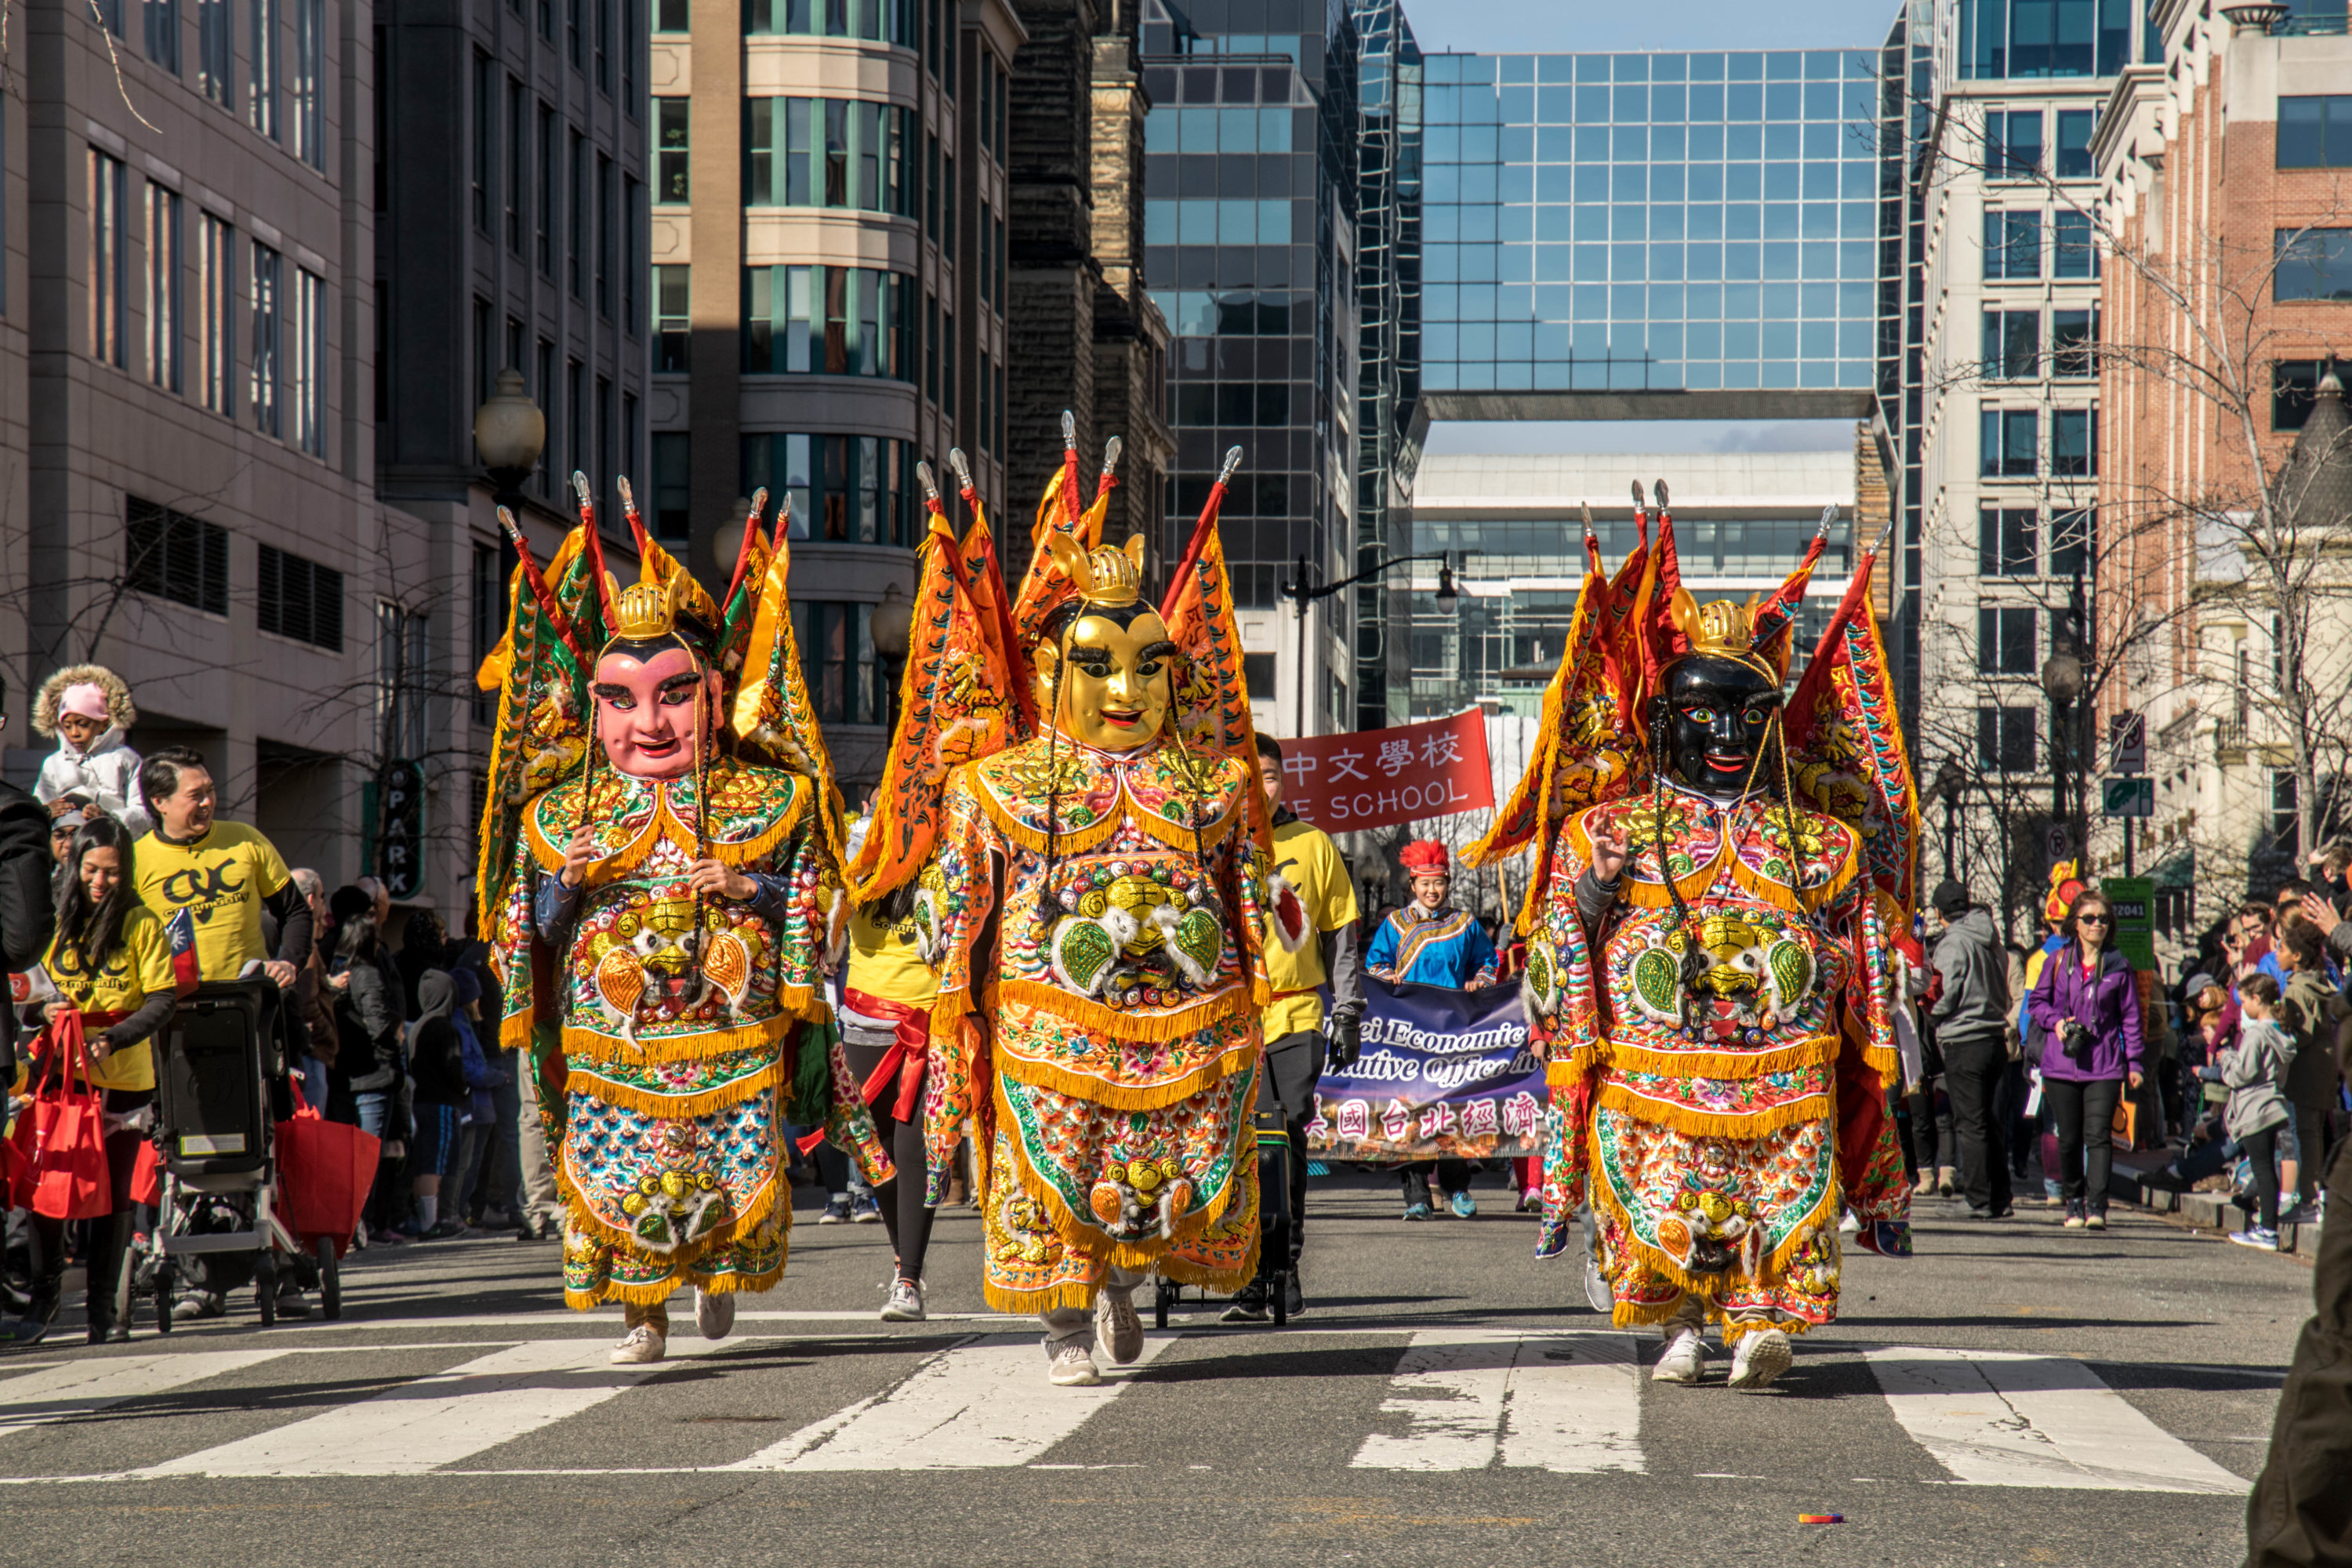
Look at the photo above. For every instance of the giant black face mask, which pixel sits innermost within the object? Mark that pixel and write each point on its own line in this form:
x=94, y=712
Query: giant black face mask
x=1716, y=713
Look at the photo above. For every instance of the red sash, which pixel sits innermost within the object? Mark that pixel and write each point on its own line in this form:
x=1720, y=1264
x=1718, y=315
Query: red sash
x=910, y=1046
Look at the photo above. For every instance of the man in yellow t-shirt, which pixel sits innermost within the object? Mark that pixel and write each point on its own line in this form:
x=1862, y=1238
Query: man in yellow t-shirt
x=1297, y=1039
x=223, y=874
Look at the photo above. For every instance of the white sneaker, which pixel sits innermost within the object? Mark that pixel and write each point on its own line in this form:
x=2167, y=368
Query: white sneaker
x=1761, y=1357
x=641, y=1347
x=714, y=1315
x=1684, y=1361
x=1116, y=1328
x=1070, y=1363
x=906, y=1303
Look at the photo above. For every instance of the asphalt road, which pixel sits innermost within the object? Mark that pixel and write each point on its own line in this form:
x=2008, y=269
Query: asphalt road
x=2016, y=1394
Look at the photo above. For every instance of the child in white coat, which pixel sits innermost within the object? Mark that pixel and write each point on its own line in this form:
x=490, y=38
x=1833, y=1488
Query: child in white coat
x=88, y=708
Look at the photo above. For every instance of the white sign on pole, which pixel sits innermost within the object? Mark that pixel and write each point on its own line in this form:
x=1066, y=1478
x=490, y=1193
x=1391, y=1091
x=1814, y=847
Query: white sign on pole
x=2128, y=743
x=2058, y=839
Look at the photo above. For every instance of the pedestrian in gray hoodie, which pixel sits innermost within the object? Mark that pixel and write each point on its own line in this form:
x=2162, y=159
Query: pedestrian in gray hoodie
x=1972, y=1033
x=2254, y=1071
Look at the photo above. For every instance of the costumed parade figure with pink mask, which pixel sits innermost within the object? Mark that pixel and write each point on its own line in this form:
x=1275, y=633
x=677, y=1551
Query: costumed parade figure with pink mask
x=662, y=871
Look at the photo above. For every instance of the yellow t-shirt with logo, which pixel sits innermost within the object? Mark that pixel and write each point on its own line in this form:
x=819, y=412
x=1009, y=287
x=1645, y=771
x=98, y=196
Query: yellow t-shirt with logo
x=141, y=967
x=883, y=961
x=220, y=880
x=1306, y=858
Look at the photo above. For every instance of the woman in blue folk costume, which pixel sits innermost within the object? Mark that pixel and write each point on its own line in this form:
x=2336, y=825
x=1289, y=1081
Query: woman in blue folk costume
x=664, y=881
x=1425, y=943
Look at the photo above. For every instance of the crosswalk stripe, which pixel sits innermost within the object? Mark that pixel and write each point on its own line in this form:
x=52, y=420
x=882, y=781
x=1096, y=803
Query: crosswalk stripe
x=2001, y=1419
x=434, y=1421
x=979, y=1405
x=78, y=1387
x=1568, y=1403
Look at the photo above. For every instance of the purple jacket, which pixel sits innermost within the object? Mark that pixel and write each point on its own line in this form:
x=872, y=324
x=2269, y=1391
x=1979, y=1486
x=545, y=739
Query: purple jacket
x=2109, y=1004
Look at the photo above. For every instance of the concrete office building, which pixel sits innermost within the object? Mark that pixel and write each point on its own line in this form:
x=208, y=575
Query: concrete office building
x=187, y=346
x=2001, y=405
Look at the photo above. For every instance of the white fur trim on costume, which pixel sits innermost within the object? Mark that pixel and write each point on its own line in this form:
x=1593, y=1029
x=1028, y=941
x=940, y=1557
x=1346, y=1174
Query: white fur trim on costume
x=1287, y=913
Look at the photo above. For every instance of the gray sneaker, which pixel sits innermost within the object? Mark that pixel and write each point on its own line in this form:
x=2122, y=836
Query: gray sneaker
x=1118, y=1327
x=1070, y=1363
x=906, y=1303
x=198, y=1304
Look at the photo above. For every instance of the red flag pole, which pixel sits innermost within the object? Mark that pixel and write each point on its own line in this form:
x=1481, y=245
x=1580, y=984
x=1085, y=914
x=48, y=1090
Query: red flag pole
x=540, y=591
x=1070, y=507
x=1200, y=532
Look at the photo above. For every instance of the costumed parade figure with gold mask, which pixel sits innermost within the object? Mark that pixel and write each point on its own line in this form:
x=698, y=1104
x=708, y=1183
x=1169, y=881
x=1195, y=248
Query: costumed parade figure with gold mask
x=1709, y=957
x=1096, y=1030
x=661, y=879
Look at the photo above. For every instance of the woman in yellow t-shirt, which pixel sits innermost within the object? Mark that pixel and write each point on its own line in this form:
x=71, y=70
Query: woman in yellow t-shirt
x=111, y=962
x=886, y=1029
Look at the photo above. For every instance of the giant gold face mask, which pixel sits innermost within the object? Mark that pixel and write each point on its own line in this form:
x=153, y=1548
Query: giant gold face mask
x=1117, y=682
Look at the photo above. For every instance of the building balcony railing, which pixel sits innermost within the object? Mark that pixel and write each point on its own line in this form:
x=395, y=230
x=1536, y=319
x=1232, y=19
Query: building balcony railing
x=2230, y=741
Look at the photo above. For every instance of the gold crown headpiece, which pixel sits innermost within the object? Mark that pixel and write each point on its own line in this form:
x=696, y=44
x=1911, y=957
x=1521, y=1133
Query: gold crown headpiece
x=1726, y=630
x=644, y=611
x=1105, y=577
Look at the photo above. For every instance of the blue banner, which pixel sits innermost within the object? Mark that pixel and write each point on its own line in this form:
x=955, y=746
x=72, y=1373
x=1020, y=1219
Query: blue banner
x=1443, y=1074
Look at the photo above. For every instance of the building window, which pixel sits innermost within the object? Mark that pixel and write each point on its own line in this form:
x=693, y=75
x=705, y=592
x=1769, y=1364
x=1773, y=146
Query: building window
x=672, y=17
x=604, y=46
x=309, y=383
x=216, y=312
x=484, y=151
x=2008, y=541
x=215, y=67
x=2013, y=245
x=175, y=556
x=2076, y=248
x=673, y=302
x=268, y=337
x=107, y=260
x=2315, y=132
x=987, y=255
x=163, y=329
x=302, y=599
x=948, y=206
x=604, y=225
x=670, y=131
x=544, y=388
x=579, y=214
x=932, y=188
x=1000, y=409
x=572, y=31
x=2012, y=143
x=987, y=105
x=486, y=367
x=629, y=58
x=845, y=684
x=163, y=18
x=2043, y=37
x=931, y=348
x=2073, y=535
x=2073, y=442
x=605, y=466
x=2004, y=640
x=878, y=21
x=544, y=217
x=2313, y=264
x=987, y=402
x=2073, y=151
x=261, y=97
x=517, y=148
x=632, y=227
x=826, y=152
x=2293, y=384
x=311, y=81
x=576, y=416
x=632, y=434
x=2009, y=438
x=2012, y=345
x=828, y=321
x=947, y=361
x=672, y=484
x=2006, y=739
x=2074, y=344
x=857, y=489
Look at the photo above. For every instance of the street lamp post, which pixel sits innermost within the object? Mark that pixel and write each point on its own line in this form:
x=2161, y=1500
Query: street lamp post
x=892, y=626
x=1301, y=595
x=2061, y=680
x=509, y=433
x=1950, y=779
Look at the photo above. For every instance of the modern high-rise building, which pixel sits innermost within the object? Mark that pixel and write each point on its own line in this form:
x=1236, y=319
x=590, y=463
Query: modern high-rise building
x=1250, y=236
x=187, y=356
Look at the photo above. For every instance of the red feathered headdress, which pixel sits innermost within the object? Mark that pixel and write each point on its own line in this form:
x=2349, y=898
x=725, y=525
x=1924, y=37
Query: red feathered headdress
x=1426, y=857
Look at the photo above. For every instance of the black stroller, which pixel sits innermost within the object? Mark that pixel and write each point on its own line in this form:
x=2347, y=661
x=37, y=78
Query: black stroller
x=219, y=1065
x=1273, y=1218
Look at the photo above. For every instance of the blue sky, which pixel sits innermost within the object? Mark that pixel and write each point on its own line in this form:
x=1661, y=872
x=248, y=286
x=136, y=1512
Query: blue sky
x=1523, y=27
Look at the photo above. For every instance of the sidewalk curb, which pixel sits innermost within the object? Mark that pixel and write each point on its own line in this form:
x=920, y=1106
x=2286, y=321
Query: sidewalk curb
x=2210, y=1211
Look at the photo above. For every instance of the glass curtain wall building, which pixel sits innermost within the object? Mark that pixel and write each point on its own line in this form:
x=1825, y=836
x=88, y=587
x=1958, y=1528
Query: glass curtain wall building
x=1699, y=224
x=1250, y=239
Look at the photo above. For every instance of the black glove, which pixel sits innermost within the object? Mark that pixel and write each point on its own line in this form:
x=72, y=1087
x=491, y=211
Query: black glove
x=1347, y=1040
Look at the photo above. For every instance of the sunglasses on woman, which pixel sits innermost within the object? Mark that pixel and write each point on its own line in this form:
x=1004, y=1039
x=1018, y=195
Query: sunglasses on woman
x=2091, y=921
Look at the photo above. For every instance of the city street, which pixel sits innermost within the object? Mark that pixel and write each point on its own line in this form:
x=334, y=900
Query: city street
x=2017, y=1394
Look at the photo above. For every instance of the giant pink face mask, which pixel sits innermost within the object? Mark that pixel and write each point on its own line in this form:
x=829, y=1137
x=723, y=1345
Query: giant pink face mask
x=645, y=712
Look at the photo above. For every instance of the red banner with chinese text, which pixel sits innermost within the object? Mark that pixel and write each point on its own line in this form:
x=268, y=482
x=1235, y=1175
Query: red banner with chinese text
x=1379, y=778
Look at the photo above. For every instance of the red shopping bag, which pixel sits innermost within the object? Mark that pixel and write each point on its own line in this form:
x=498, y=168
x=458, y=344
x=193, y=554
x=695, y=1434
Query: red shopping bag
x=68, y=1152
x=147, y=1175
x=324, y=1171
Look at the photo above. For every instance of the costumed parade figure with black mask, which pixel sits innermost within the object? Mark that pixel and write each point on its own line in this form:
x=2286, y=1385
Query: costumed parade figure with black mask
x=661, y=878
x=1709, y=957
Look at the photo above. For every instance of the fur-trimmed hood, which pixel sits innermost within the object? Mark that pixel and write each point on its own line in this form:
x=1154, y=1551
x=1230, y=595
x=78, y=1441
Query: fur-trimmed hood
x=120, y=708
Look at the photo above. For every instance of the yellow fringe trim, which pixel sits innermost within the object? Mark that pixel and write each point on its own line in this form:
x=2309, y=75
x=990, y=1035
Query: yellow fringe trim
x=654, y=1294
x=1123, y=1097
x=1714, y=1123
x=516, y=1029
x=585, y=1077
x=1774, y=1265
x=1559, y=1072
x=1796, y=900
x=1078, y=840
x=1053, y=1297
x=1235, y=1000
x=1734, y=1330
x=1810, y=1052
x=590, y=1045
x=1641, y=1314
x=777, y=1187
x=666, y=825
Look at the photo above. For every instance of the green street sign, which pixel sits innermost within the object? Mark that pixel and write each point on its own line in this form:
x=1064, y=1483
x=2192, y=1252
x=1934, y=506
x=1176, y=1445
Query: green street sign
x=2133, y=898
x=2128, y=797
